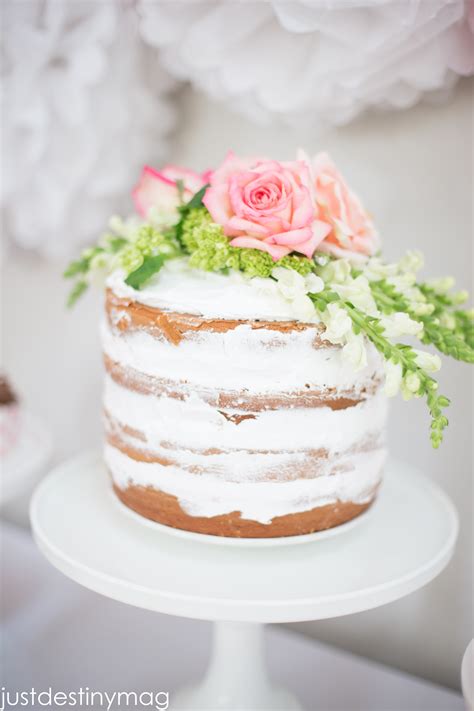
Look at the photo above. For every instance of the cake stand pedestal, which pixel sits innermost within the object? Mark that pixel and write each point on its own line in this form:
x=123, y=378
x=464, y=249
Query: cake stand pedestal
x=407, y=539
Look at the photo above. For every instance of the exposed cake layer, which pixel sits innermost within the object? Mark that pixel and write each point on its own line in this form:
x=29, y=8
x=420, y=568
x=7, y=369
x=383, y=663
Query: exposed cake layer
x=245, y=357
x=193, y=423
x=336, y=399
x=234, y=465
x=166, y=509
x=208, y=495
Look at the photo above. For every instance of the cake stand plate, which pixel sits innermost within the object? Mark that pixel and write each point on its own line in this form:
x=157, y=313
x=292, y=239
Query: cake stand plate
x=405, y=542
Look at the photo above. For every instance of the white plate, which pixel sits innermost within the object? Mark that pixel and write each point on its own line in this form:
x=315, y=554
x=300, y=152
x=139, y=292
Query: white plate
x=242, y=542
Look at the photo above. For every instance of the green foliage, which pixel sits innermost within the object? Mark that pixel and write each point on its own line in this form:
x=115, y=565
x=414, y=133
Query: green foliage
x=185, y=210
x=80, y=266
x=137, y=254
x=149, y=267
x=378, y=289
x=400, y=353
x=210, y=250
x=456, y=342
x=76, y=292
x=302, y=265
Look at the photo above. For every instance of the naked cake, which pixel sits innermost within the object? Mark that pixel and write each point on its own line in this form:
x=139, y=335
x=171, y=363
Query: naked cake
x=252, y=334
x=230, y=422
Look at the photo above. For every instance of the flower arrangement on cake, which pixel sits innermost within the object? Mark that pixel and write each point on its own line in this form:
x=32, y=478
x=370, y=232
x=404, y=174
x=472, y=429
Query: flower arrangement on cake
x=252, y=335
x=300, y=228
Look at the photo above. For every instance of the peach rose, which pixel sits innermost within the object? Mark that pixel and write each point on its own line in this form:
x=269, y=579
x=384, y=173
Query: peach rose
x=353, y=233
x=266, y=205
x=159, y=189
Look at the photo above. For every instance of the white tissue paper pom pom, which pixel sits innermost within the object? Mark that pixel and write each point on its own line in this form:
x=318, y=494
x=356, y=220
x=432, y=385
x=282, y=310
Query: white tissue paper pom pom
x=313, y=60
x=79, y=118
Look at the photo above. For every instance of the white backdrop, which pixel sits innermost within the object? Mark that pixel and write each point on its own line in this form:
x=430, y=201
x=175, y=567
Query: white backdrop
x=414, y=171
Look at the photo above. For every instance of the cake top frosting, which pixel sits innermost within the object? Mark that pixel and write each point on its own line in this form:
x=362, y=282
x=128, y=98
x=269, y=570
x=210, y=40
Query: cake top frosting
x=257, y=238
x=177, y=287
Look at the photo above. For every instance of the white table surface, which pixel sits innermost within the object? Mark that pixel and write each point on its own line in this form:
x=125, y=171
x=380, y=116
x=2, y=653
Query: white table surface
x=60, y=635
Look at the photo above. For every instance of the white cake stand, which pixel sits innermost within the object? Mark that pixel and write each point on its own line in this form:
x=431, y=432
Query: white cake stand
x=403, y=544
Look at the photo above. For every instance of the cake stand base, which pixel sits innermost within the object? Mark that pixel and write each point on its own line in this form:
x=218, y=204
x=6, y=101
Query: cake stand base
x=406, y=541
x=236, y=677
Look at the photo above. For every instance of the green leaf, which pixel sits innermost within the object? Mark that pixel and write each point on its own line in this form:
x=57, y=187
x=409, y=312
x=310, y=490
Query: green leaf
x=180, y=188
x=77, y=290
x=80, y=266
x=196, y=200
x=116, y=243
x=150, y=266
x=184, y=210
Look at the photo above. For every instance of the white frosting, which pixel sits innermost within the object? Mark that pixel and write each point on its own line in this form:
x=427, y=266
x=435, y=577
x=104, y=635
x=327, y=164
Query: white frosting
x=192, y=291
x=208, y=495
x=193, y=424
x=241, y=359
x=265, y=465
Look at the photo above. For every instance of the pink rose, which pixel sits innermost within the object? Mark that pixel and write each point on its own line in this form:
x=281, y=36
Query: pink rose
x=353, y=233
x=159, y=189
x=266, y=205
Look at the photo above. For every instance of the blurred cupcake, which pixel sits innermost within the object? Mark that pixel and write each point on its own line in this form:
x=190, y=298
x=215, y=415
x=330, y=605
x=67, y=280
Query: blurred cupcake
x=10, y=417
x=25, y=449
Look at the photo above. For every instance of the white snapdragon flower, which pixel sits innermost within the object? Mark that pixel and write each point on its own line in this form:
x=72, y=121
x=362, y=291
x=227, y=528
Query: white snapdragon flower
x=376, y=269
x=338, y=324
x=127, y=228
x=321, y=259
x=100, y=261
x=303, y=308
x=393, y=378
x=336, y=272
x=294, y=288
x=422, y=308
x=447, y=320
x=403, y=282
x=412, y=382
x=358, y=292
x=289, y=282
x=410, y=386
x=354, y=352
x=400, y=324
x=164, y=216
x=460, y=297
x=412, y=261
x=313, y=283
x=443, y=285
x=427, y=361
